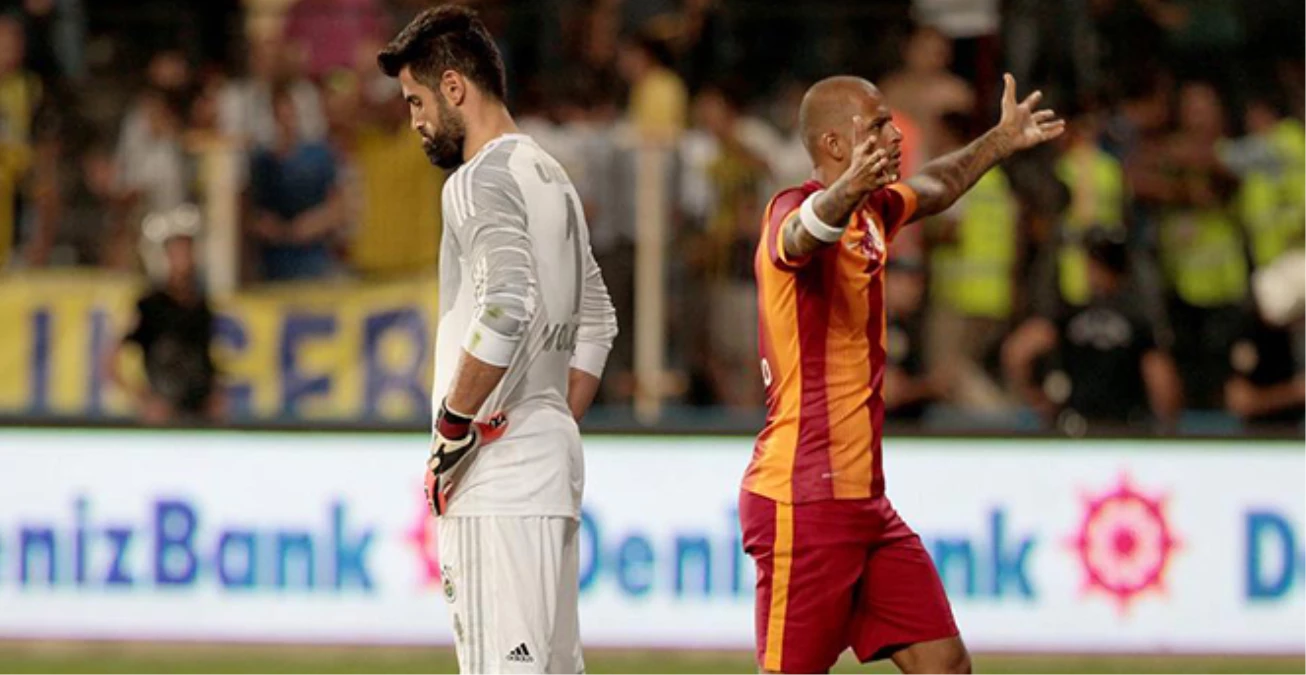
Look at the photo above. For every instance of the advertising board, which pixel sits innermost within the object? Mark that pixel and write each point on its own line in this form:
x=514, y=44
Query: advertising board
x=1131, y=546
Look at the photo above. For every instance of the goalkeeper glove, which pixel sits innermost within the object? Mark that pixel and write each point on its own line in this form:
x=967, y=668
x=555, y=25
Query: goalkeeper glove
x=455, y=437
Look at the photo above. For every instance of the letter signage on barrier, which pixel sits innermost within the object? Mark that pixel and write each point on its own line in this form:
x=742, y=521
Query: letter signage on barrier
x=336, y=352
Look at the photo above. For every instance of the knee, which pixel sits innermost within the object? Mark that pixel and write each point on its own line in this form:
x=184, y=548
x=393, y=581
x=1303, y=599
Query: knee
x=956, y=661
x=948, y=658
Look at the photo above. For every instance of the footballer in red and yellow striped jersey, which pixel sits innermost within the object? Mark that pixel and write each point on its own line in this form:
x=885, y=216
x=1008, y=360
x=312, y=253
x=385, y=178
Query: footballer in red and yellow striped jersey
x=837, y=567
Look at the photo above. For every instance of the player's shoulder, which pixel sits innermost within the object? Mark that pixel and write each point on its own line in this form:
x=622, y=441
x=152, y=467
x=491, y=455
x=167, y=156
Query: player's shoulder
x=787, y=200
x=490, y=178
x=495, y=160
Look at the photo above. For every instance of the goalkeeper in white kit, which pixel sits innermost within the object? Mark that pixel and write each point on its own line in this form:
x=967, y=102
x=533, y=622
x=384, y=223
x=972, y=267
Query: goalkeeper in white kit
x=525, y=328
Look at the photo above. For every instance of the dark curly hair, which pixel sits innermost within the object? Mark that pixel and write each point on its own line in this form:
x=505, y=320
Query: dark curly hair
x=443, y=38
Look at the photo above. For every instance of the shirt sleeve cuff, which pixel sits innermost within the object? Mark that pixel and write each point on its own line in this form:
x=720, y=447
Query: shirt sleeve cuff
x=777, y=242
x=590, y=357
x=908, y=203
x=490, y=346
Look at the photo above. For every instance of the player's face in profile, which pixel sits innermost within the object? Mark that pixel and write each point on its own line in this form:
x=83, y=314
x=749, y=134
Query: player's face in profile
x=441, y=127
x=877, y=120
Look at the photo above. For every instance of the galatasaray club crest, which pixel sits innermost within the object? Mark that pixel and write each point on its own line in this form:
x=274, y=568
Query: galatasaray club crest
x=1124, y=543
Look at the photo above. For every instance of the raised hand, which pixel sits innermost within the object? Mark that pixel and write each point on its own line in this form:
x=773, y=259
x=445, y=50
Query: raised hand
x=870, y=168
x=1023, y=126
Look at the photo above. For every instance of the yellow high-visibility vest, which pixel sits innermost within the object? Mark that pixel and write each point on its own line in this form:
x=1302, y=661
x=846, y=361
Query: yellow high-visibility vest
x=1202, y=256
x=1272, y=200
x=1097, y=183
x=974, y=275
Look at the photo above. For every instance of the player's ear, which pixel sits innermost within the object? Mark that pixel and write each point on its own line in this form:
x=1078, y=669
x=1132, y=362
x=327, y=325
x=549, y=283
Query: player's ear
x=833, y=145
x=453, y=87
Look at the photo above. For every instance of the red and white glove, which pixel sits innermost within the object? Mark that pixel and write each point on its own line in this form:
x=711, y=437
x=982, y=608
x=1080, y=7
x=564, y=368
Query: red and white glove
x=455, y=437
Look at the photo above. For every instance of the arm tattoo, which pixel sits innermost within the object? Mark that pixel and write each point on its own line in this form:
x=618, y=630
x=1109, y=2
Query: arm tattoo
x=944, y=180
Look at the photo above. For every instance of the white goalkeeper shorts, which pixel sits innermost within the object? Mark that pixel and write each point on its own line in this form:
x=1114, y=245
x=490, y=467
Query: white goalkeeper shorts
x=512, y=584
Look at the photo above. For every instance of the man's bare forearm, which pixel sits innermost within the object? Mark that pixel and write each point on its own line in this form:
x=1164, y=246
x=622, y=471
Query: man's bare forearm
x=472, y=385
x=582, y=387
x=943, y=181
x=833, y=206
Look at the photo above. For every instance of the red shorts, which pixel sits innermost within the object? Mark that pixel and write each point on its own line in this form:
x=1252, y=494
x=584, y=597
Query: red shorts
x=837, y=574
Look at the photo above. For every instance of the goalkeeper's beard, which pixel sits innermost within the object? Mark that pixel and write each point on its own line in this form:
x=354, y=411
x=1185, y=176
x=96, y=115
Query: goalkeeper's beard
x=444, y=146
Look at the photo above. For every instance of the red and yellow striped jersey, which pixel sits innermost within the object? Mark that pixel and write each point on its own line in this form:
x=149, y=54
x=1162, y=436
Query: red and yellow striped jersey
x=821, y=325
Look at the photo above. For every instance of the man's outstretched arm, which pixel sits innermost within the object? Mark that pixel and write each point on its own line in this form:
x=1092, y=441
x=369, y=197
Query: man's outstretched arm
x=943, y=181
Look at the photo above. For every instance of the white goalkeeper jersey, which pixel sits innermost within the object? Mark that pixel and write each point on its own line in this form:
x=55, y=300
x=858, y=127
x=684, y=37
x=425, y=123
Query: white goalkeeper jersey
x=519, y=288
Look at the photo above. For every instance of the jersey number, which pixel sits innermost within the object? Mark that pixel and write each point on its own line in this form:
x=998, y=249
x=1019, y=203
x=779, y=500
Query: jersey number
x=573, y=234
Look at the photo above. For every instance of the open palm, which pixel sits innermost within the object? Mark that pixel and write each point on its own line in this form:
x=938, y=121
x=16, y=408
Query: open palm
x=1023, y=125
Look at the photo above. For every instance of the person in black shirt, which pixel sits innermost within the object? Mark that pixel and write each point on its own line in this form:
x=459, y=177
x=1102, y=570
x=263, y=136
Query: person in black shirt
x=1267, y=389
x=174, y=328
x=908, y=389
x=1101, y=364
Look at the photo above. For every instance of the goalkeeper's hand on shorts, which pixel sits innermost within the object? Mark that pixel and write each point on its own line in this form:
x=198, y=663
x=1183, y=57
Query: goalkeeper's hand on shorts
x=455, y=437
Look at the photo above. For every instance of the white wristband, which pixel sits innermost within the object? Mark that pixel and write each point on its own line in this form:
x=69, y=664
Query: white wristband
x=590, y=357
x=489, y=346
x=814, y=225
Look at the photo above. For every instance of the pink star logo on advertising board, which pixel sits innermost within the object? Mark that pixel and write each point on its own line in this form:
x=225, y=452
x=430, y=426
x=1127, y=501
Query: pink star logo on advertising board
x=1124, y=543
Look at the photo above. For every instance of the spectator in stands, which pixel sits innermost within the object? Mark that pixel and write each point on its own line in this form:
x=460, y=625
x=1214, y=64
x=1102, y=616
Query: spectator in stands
x=296, y=205
x=399, y=191
x=20, y=93
x=1096, y=184
x=1271, y=163
x=973, y=27
x=245, y=105
x=659, y=101
x=88, y=209
x=56, y=36
x=973, y=267
x=154, y=173
x=789, y=162
x=593, y=46
x=1268, y=386
x=329, y=32
x=1201, y=243
x=153, y=170
x=908, y=387
x=174, y=329
x=1051, y=45
x=1102, y=364
x=924, y=90
x=737, y=176
x=1141, y=110
x=168, y=74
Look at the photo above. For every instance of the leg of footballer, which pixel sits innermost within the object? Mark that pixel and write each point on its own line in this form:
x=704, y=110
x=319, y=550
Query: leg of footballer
x=948, y=655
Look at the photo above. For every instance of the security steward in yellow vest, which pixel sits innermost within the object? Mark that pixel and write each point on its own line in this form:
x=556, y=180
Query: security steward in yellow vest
x=1096, y=184
x=1271, y=162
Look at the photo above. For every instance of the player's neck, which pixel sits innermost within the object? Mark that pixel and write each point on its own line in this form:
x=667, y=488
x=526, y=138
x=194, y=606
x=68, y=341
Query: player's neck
x=495, y=122
x=826, y=174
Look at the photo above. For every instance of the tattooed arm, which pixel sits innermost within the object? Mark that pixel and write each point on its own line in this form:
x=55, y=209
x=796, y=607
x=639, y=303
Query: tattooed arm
x=836, y=203
x=946, y=179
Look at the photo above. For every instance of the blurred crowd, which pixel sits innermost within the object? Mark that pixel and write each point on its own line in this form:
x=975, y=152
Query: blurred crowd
x=1133, y=275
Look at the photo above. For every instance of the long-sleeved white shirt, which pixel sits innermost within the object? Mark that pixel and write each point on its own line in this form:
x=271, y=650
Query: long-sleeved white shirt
x=519, y=288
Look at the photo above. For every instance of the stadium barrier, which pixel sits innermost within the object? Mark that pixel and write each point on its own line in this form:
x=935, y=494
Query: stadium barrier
x=313, y=351
x=1111, y=546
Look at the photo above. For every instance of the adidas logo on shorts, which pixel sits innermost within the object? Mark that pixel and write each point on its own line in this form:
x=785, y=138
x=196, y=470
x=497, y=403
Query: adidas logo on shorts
x=521, y=654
